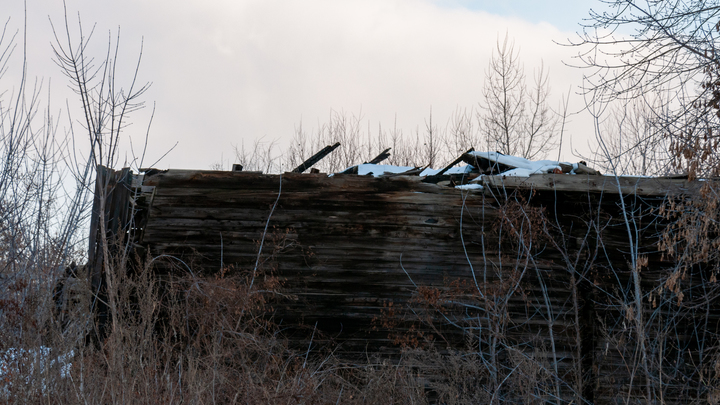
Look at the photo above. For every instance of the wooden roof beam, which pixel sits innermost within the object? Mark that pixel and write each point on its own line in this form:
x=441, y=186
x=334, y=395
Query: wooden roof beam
x=316, y=158
x=382, y=156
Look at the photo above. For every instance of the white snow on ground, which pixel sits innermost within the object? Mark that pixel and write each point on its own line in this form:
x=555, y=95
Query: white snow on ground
x=14, y=361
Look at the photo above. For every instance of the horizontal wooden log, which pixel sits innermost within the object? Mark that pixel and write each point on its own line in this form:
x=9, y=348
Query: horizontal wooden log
x=630, y=186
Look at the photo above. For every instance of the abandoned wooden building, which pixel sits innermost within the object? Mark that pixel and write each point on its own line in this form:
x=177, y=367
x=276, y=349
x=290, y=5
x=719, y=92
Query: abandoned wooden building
x=549, y=261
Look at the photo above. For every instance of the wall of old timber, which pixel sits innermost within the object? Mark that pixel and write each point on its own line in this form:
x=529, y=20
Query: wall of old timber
x=535, y=267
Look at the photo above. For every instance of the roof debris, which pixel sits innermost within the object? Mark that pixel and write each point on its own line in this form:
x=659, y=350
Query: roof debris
x=497, y=163
x=489, y=163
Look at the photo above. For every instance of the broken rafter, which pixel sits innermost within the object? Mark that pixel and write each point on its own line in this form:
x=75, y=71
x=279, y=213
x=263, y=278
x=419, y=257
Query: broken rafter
x=454, y=162
x=379, y=158
x=316, y=158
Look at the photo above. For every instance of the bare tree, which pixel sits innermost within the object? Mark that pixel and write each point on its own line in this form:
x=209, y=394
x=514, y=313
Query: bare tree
x=263, y=156
x=638, y=48
x=633, y=143
x=340, y=128
x=45, y=177
x=637, y=51
x=516, y=120
x=461, y=131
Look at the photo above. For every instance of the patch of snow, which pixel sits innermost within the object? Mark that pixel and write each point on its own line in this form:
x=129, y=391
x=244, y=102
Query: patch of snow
x=13, y=360
x=367, y=169
x=453, y=170
x=470, y=186
x=518, y=173
x=379, y=170
x=528, y=172
x=527, y=167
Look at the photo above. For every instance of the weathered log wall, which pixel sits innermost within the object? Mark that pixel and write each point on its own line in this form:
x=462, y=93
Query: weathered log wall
x=544, y=261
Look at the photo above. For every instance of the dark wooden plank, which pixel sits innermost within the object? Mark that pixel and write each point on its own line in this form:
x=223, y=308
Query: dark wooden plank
x=316, y=158
x=380, y=157
x=631, y=186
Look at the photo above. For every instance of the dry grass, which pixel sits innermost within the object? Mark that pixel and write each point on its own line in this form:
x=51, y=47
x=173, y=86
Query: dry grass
x=175, y=339
x=180, y=338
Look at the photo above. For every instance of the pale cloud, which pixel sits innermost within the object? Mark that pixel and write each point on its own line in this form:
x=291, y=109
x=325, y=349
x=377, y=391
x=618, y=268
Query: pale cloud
x=227, y=71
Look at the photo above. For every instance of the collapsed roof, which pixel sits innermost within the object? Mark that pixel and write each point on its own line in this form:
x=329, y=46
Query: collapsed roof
x=489, y=163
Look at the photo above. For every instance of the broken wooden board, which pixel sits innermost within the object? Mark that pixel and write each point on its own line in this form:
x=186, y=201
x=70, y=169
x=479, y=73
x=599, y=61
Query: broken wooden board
x=642, y=186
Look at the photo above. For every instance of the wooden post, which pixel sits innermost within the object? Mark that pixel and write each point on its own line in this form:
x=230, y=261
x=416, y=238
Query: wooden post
x=112, y=190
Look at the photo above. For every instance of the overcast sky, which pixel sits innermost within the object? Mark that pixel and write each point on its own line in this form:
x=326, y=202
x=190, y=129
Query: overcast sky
x=229, y=71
